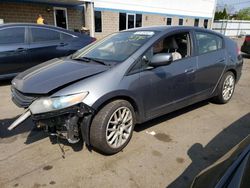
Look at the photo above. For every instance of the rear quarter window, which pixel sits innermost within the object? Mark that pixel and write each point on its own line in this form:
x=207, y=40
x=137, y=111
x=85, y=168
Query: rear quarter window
x=207, y=42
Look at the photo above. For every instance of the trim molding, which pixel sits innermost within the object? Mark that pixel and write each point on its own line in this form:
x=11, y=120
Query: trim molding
x=142, y=12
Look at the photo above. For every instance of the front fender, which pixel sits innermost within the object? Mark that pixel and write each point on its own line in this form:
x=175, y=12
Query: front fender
x=122, y=94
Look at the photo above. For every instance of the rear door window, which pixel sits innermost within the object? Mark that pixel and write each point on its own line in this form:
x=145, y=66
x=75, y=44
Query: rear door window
x=207, y=42
x=44, y=35
x=14, y=35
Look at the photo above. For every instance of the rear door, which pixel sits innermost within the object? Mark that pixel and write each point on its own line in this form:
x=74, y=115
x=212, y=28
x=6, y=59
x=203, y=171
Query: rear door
x=166, y=88
x=13, y=50
x=45, y=44
x=211, y=56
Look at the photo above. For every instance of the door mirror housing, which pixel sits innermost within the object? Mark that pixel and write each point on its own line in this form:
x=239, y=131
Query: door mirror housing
x=161, y=59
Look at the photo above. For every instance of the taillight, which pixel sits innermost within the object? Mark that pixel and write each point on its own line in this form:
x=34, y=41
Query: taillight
x=238, y=50
x=247, y=39
x=93, y=39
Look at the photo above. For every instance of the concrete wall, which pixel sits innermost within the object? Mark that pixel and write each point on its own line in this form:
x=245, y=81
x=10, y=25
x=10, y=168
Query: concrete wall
x=232, y=28
x=110, y=24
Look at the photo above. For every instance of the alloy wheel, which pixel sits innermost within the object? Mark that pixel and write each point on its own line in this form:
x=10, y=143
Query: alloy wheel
x=228, y=87
x=119, y=127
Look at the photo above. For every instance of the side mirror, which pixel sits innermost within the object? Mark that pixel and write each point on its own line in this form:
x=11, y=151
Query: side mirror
x=161, y=59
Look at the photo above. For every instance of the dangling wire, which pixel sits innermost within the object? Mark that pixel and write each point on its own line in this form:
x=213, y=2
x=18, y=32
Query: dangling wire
x=60, y=146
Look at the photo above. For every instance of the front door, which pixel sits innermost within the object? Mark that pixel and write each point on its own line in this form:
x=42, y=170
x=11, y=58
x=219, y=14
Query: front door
x=130, y=21
x=60, y=17
x=13, y=51
x=167, y=88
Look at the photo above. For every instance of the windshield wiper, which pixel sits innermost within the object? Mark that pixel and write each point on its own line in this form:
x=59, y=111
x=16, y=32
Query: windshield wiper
x=88, y=59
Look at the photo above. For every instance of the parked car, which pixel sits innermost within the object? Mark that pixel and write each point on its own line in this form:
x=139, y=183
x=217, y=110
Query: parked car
x=232, y=170
x=246, y=45
x=25, y=45
x=129, y=77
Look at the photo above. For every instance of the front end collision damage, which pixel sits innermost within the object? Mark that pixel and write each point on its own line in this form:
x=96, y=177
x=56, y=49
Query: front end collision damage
x=72, y=123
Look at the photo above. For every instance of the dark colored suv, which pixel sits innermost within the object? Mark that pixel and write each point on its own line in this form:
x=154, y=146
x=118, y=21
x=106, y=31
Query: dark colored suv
x=25, y=45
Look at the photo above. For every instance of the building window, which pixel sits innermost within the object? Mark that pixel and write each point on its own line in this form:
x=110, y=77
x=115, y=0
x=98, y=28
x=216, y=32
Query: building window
x=122, y=21
x=169, y=21
x=128, y=21
x=98, y=21
x=205, y=24
x=138, y=20
x=180, y=21
x=196, y=22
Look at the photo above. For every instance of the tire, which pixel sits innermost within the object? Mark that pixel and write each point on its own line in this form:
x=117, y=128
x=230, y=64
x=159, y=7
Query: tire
x=109, y=125
x=224, y=86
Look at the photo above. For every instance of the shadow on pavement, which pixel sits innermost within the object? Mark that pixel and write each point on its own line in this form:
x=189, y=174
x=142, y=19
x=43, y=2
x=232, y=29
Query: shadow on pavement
x=34, y=134
x=202, y=157
x=246, y=56
x=169, y=116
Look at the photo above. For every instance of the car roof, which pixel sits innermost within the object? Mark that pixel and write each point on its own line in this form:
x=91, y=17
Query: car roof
x=32, y=24
x=41, y=26
x=166, y=28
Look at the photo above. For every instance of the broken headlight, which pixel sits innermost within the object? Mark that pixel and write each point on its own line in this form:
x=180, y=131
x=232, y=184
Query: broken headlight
x=49, y=104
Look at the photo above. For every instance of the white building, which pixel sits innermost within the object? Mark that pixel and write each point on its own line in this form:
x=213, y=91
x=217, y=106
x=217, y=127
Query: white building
x=114, y=15
x=103, y=17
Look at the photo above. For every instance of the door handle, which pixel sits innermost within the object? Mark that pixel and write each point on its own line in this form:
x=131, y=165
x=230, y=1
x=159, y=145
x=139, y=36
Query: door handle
x=221, y=60
x=63, y=44
x=20, y=50
x=191, y=70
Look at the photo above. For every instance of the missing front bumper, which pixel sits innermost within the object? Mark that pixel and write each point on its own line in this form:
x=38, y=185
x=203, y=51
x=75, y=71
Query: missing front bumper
x=19, y=120
x=70, y=123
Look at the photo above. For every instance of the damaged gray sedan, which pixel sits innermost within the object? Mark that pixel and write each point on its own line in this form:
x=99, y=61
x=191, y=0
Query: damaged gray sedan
x=103, y=90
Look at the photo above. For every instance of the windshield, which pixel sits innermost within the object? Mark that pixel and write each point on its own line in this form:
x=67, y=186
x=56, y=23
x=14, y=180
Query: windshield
x=116, y=47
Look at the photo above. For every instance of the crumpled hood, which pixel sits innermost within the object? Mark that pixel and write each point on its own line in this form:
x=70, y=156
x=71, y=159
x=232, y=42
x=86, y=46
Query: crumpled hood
x=55, y=73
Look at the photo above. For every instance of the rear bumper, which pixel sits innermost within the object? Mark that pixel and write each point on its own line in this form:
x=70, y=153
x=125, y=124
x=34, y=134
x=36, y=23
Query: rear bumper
x=245, y=49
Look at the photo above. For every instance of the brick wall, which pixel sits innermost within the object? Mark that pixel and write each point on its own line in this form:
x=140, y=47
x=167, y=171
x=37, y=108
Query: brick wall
x=110, y=24
x=153, y=19
x=75, y=18
x=28, y=12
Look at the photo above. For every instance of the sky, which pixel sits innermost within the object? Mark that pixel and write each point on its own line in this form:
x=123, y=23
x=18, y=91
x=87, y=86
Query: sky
x=234, y=5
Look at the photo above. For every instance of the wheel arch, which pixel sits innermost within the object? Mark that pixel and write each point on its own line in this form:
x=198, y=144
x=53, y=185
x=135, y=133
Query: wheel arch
x=104, y=100
x=234, y=72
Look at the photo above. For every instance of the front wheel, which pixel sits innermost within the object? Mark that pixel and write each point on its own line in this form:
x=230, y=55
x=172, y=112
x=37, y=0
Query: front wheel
x=225, y=88
x=112, y=127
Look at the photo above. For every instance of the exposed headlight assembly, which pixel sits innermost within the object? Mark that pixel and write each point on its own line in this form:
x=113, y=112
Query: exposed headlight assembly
x=49, y=104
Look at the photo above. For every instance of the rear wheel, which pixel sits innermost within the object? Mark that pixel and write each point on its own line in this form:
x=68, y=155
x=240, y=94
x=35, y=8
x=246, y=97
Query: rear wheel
x=225, y=88
x=112, y=127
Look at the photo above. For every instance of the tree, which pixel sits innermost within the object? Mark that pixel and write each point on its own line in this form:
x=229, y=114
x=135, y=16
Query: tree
x=221, y=14
x=243, y=14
